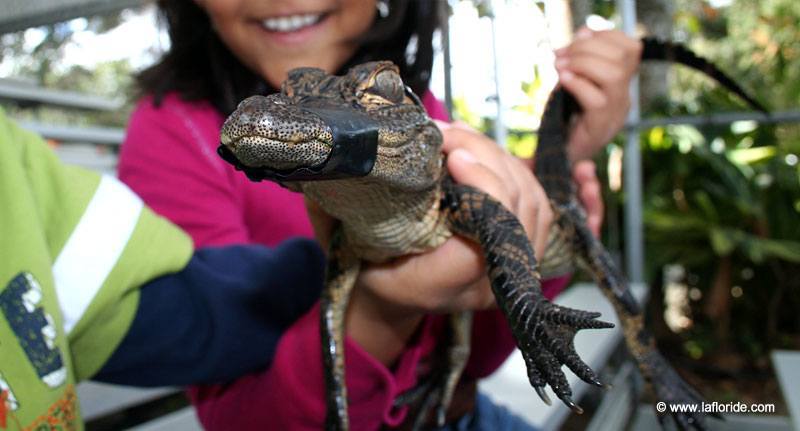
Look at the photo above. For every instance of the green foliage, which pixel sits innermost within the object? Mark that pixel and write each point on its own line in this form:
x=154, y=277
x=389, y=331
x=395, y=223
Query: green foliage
x=522, y=145
x=484, y=7
x=463, y=112
x=522, y=138
x=704, y=206
x=757, y=40
x=723, y=201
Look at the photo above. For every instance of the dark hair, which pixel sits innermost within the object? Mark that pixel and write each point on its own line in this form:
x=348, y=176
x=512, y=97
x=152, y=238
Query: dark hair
x=199, y=66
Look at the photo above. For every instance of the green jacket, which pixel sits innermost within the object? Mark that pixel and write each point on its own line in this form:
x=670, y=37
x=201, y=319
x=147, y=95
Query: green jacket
x=74, y=248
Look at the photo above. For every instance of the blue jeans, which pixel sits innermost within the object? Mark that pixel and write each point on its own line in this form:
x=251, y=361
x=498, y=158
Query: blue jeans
x=489, y=416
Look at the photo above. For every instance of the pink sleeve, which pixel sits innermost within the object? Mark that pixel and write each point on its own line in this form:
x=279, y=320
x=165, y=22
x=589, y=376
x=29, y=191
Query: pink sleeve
x=435, y=108
x=168, y=160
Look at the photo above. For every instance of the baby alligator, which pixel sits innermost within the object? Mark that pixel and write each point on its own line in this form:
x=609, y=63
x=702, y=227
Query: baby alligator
x=368, y=136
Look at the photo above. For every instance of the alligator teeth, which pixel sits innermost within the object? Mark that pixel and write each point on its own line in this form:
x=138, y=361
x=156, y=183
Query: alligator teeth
x=291, y=22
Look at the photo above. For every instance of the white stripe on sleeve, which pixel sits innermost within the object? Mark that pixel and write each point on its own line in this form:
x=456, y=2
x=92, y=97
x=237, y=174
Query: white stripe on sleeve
x=94, y=247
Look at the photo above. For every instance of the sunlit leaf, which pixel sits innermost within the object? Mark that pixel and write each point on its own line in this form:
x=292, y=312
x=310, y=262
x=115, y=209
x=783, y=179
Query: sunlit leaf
x=748, y=156
x=754, y=250
x=522, y=146
x=741, y=127
x=675, y=221
x=781, y=249
x=706, y=206
x=466, y=114
x=722, y=242
x=657, y=139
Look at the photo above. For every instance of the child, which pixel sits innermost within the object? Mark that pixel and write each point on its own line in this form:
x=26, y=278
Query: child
x=225, y=50
x=95, y=285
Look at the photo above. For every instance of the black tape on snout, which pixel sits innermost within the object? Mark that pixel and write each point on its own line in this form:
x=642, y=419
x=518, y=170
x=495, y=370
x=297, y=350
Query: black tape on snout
x=355, y=148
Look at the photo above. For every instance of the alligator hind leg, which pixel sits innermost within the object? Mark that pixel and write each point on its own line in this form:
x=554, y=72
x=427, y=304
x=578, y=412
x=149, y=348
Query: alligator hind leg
x=340, y=277
x=438, y=390
x=668, y=386
x=457, y=355
x=543, y=331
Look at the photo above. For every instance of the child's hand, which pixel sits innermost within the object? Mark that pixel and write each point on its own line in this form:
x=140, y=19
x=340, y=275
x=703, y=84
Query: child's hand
x=597, y=68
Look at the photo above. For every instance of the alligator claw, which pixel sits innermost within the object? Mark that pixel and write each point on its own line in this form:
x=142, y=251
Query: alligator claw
x=571, y=404
x=598, y=383
x=543, y=395
x=441, y=416
x=546, y=336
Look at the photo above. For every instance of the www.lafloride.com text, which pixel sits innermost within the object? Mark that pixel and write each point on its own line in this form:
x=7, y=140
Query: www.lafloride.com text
x=716, y=407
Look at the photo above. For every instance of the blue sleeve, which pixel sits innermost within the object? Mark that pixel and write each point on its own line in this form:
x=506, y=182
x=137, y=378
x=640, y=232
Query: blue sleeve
x=219, y=318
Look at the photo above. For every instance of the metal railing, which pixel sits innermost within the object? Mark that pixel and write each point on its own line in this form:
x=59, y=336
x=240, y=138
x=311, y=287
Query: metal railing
x=88, y=135
x=16, y=15
x=26, y=93
x=717, y=119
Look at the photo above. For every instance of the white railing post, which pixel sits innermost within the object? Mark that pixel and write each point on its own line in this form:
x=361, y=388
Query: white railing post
x=632, y=171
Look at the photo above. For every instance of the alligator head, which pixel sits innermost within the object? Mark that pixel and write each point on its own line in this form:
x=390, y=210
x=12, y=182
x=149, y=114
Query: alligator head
x=321, y=127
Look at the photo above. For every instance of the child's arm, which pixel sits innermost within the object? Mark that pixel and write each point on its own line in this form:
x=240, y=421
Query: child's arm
x=218, y=318
x=122, y=286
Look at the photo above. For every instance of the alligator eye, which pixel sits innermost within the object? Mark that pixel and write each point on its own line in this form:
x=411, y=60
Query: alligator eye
x=389, y=86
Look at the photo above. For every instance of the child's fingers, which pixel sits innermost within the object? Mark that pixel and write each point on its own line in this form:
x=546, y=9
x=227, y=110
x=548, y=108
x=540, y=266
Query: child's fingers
x=598, y=70
x=589, y=193
x=612, y=45
x=490, y=155
x=588, y=95
x=466, y=169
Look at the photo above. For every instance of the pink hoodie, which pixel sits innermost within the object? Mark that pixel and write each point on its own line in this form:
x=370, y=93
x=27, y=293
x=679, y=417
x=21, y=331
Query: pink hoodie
x=169, y=158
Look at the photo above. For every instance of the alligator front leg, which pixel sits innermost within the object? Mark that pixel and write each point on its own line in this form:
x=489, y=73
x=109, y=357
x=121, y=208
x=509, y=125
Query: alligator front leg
x=340, y=277
x=543, y=331
x=668, y=386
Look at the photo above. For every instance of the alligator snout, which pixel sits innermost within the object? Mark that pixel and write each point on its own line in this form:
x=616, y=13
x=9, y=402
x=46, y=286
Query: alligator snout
x=270, y=132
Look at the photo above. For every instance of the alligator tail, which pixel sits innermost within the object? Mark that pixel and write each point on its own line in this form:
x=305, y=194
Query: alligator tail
x=656, y=49
x=552, y=166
